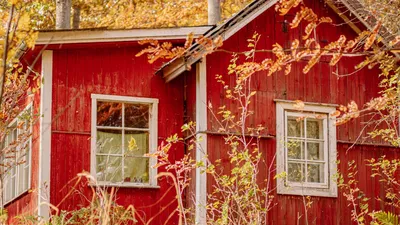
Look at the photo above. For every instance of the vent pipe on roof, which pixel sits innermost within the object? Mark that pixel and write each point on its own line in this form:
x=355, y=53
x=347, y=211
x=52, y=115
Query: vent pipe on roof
x=214, y=11
x=63, y=14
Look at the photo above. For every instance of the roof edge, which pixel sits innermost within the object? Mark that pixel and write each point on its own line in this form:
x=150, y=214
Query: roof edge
x=176, y=66
x=95, y=36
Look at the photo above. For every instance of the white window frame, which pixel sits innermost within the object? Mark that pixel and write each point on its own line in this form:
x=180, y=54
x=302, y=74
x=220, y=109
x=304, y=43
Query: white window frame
x=18, y=173
x=153, y=138
x=324, y=112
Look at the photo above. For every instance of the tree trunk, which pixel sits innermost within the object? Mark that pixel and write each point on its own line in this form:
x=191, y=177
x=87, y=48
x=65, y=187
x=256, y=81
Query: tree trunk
x=214, y=12
x=76, y=17
x=63, y=14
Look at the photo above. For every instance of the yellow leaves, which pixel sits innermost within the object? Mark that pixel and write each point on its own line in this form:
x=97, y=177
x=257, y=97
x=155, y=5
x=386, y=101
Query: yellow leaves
x=294, y=46
x=189, y=40
x=299, y=105
x=284, y=6
x=325, y=20
x=132, y=146
x=335, y=114
x=370, y=40
x=288, y=68
x=156, y=51
x=308, y=30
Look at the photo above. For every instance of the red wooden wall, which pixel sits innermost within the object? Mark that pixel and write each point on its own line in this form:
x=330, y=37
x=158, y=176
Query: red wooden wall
x=26, y=203
x=113, y=70
x=320, y=85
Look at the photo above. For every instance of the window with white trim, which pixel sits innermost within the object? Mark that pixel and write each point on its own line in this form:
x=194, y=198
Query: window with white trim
x=124, y=130
x=17, y=156
x=306, y=149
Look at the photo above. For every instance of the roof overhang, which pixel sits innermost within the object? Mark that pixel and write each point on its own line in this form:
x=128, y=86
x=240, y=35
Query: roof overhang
x=96, y=36
x=177, y=66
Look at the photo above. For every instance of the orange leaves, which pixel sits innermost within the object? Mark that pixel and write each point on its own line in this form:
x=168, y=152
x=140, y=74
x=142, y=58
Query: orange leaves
x=155, y=50
x=189, y=40
x=284, y=6
x=349, y=112
x=288, y=68
x=308, y=30
x=166, y=50
x=306, y=14
x=299, y=105
x=370, y=40
x=293, y=48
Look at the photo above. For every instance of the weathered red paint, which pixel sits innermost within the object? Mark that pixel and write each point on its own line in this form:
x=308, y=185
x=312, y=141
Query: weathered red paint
x=112, y=68
x=320, y=85
x=79, y=72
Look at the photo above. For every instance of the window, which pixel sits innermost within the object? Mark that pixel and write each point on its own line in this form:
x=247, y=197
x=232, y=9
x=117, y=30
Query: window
x=16, y=156
x=124, y=130
x=306, y=149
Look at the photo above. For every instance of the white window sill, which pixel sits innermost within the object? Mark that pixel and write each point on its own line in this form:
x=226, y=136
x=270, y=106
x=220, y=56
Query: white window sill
x=308, y=191
x=124, y=185
x=16, y=197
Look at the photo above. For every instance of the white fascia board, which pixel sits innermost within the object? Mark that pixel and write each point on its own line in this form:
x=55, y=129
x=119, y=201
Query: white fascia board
x=231, y=31
x=225, y=36
x=93, y=36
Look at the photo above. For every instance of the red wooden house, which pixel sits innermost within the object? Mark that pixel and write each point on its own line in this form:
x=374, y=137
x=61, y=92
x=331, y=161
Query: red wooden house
x=97, y=95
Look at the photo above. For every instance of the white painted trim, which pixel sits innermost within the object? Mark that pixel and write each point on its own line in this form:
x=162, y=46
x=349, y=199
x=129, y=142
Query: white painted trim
x=15, y=121
x=45, y=135
x=299, y=188
x=93, y=36
x=153, y=139
x=246, y=20
x=201, y=150
x=173, y=70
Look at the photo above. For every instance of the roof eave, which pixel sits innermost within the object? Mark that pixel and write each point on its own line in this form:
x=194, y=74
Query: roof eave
x=225, y=30
x=96, y=36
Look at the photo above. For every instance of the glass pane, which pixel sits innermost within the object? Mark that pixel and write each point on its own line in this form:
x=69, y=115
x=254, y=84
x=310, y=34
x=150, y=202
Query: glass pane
x=315, y=150
x=109, y=114
x=295, y=172
x=26, y=178
x=13, y=186
x=136, y=143
x=137, y=115
x=315, y=173
x=109, y=141
x=294, y=128
x=109, y=168
x=295, y=149
x=136, y=170
x=20, y=178
x=314, y=129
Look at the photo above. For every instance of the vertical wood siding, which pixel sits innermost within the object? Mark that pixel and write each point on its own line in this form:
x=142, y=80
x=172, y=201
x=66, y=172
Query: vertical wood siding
x=114, y=71
x=320, y=85
x=26, y=204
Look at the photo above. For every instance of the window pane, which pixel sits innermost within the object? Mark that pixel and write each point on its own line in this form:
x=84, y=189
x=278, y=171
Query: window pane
x=109, y=168
x=109, y=141
x=315, y=150
x=136, y=143
x=294, y=128
x=315, y=173
x=20, y=178
x=295, y=149
x=109, y=114
x=136, y=170
x=137, y=115
x=314, y=129
x=26, y=178
x=295, y=172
